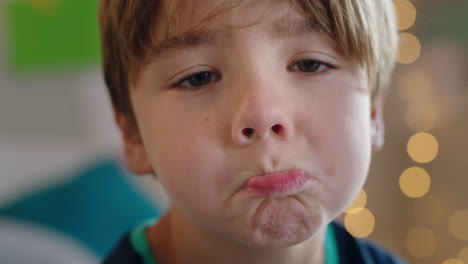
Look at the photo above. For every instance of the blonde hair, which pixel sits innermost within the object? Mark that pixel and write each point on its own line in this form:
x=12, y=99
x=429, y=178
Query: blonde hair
x=363, y=30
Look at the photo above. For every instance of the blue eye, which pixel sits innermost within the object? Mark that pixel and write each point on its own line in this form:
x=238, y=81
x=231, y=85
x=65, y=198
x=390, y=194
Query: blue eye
x=196, y=80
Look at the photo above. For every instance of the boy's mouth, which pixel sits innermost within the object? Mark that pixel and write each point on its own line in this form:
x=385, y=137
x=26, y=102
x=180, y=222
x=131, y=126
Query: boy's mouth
x=277, y=184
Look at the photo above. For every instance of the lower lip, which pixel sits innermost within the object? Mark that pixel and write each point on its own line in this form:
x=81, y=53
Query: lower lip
x=278, y=184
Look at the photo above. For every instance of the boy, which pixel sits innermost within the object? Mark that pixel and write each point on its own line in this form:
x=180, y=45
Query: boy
x=257, y=117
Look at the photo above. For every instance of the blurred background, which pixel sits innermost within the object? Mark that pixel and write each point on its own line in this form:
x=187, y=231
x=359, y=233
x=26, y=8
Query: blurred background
x=59, y=147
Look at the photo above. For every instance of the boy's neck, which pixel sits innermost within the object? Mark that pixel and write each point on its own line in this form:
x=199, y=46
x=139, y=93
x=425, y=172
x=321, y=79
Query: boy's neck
x=174, y=239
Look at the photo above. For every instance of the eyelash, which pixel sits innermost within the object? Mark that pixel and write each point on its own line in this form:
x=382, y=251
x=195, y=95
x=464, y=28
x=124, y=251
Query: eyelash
x=179, y=84
x=327, y=67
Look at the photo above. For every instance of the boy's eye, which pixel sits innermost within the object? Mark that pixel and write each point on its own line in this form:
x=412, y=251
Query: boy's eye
x=196, y=80
x=310, y=66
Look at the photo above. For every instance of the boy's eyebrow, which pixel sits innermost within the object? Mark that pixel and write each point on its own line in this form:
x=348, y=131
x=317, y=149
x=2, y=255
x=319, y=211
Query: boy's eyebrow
x=191, y=39
x=285, y=27
x=282, y=27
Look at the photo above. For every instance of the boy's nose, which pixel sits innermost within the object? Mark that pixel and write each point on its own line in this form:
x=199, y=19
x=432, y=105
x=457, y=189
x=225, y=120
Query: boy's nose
x=260, y=115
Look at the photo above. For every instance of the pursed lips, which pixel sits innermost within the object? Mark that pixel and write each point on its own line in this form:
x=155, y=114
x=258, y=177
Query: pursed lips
x=277, y=184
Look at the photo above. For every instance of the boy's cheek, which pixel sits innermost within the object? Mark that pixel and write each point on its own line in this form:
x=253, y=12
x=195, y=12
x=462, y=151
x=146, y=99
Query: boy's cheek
x=345, y=159
x=189, y=166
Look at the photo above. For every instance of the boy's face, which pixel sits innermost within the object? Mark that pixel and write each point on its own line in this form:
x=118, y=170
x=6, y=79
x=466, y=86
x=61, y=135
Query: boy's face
x=272, y=97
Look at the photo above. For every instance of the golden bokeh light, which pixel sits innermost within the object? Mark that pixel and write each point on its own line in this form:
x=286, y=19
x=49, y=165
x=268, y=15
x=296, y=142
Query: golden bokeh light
x=415, y=86
x=409, y=48
x=406, y=13
x=415, y=182
x=428, y=211
x=458, y=224
x=361, y=224
x=359, y=203
x=421, y=242
x=453, y=261
x=423, y=147
x=463, y=255
x=421, y=116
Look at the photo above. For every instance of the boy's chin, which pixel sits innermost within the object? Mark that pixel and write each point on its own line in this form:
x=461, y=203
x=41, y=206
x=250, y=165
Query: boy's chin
x=283, y=222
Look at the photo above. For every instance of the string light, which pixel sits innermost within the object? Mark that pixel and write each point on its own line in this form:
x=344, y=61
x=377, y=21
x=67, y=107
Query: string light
x=420, y=242
x=361, y=224
x=409, y=48
x=406, y=13
x=423, y=147
x=415, y=182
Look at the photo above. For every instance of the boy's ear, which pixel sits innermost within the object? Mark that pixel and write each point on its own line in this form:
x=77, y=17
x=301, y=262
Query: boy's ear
x=377, y=123
x=135, y=153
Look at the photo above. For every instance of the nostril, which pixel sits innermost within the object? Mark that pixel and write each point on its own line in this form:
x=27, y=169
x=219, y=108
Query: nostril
x=276, y=128
x=247, y=132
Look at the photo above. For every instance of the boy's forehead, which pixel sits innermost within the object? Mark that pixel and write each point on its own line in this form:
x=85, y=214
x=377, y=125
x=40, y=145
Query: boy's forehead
x=182, y=16
x=211, y=20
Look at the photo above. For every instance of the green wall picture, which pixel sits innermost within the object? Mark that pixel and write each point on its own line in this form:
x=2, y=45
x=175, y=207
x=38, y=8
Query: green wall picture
x=51, y=34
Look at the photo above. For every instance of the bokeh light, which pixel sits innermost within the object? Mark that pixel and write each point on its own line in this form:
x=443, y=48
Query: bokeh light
x=415, y=182
x=463, y=255
x=359, y=203
x=421, y=242
x=415, y=86
x=361, y=224
x=421, y=116
x=423, y=147
x=458, y=224
x=453, y=261
x=409, y=48
x=406, y=14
